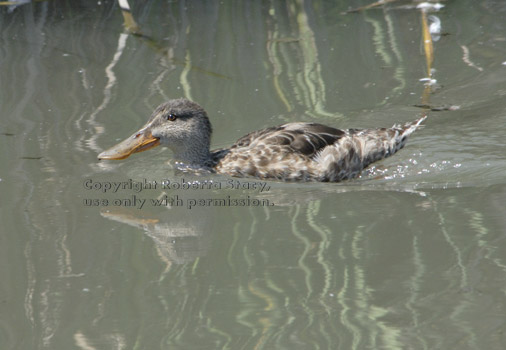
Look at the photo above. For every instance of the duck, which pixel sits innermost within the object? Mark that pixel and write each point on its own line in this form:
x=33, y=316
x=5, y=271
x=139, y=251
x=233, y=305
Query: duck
x=298, y=151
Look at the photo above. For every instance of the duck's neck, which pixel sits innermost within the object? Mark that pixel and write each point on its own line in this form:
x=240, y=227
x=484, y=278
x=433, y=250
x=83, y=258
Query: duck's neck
x=194, y=155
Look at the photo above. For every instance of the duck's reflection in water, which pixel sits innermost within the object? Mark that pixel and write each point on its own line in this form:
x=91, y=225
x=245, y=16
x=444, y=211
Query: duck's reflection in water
x=182, y=230
x=180, y=235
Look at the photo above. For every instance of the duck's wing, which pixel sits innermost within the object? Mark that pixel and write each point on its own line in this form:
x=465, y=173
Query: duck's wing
x=248, y=139
x=310, y=151
x=302, y=138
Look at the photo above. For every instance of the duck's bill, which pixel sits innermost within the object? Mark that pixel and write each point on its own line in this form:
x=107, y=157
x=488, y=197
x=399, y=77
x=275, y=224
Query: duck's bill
x=138, y=142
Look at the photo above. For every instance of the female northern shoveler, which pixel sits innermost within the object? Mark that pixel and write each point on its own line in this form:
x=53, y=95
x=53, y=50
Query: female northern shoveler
x=290, y=152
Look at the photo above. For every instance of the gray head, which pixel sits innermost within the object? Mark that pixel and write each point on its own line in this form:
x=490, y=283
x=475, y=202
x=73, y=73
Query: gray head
x=180, y=124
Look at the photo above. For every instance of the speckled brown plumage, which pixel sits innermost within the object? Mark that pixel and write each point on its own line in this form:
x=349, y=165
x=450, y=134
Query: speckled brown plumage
x=289, y=152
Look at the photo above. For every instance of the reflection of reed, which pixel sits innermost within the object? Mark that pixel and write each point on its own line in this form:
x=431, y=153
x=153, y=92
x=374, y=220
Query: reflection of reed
x=91, y=142
x=293, y=54
x=381, y=40
x=427, y=38
x=344, y=282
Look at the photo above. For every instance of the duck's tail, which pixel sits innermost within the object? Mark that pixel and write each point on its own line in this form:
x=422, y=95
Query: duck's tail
x=381, y=143
x=359, y=148
x=385, y=142
x=408, y=128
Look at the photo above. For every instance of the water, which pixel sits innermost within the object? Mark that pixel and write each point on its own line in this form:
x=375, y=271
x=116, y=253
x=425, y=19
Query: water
x=409, y=256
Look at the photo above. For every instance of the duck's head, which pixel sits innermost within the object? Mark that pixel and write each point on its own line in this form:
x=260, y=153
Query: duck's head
x=181, y=125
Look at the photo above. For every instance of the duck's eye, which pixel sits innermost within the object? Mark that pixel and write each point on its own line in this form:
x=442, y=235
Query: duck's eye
x=171, y=117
